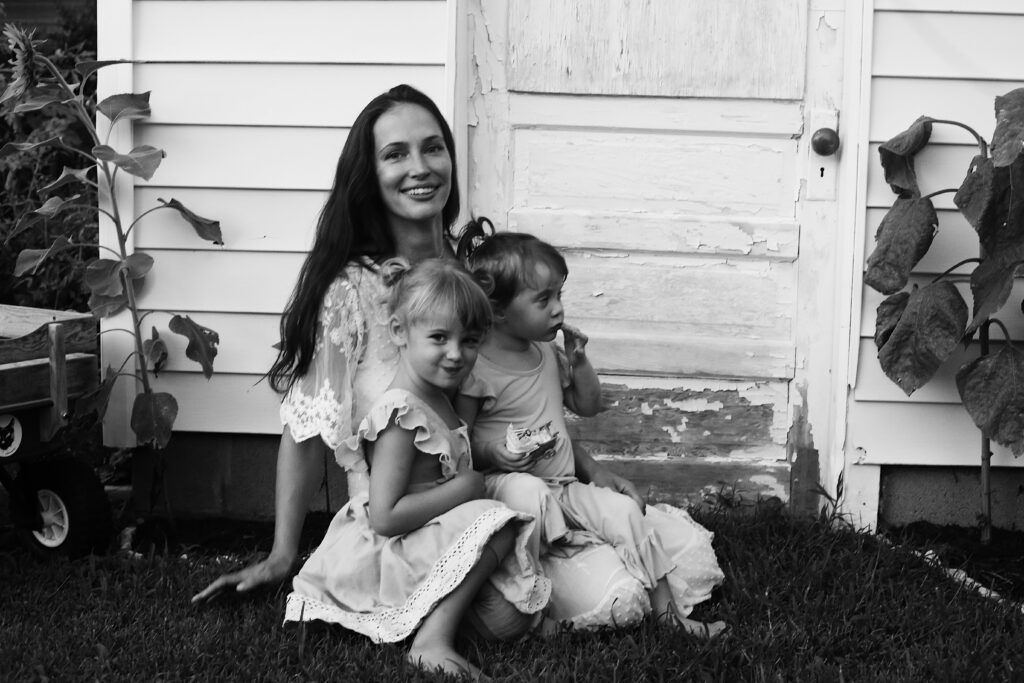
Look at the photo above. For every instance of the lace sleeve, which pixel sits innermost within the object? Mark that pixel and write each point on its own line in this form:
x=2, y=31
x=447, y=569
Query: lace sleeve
x=320, y=403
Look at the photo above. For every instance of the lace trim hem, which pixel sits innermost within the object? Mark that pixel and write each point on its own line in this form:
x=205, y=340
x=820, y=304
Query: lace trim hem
x=397, y=623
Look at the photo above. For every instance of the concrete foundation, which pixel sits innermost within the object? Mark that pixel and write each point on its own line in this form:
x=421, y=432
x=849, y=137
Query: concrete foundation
x=950, y=496
x=224, y=476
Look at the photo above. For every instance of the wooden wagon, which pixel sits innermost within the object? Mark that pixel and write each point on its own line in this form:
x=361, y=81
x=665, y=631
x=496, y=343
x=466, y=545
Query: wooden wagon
x=48, y=359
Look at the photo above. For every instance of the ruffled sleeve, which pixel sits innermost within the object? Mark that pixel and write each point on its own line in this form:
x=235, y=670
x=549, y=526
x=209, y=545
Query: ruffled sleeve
x=320, y=403
x=430, y=435
x=475, y=386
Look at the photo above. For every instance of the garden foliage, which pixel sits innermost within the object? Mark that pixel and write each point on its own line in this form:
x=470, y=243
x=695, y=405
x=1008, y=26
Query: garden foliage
x=38, y=87
x=917, y=330
x=57, y=283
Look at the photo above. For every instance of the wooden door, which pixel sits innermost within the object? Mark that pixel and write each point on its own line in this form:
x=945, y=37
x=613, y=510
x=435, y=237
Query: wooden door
x=663, y=147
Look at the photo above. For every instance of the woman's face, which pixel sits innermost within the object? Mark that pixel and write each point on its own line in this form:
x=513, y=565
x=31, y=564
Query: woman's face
x=414, y=169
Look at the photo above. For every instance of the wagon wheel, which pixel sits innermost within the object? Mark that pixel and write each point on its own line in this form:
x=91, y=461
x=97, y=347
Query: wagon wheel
x=74, y=508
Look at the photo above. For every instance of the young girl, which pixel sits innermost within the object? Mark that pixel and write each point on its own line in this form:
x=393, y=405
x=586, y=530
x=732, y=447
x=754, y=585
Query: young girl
x=521, y=382
x=409, y=556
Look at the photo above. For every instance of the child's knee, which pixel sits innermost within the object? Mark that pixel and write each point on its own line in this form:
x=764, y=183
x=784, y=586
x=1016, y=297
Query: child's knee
x=526, y=493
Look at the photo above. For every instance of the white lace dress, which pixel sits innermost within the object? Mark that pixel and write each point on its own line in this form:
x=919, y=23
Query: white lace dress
x=383, y=587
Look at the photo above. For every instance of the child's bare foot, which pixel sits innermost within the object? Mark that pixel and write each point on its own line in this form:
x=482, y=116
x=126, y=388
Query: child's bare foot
x=446, y=660
x=700, y=629
x=705, y=631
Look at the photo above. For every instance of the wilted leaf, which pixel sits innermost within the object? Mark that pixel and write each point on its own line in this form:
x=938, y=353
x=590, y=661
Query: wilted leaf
x=204, y=227
x=902, y=239
x=1001, y=229
x=103, y=277
x=897, y=156
x=1008, y=137
x=103, y=306
x=97, y=399
x=974, y=196
x=125, y=106
x=68, y=175
x=30, y=259
x=153, y=416
x=991, y=285
x=888, y=314
x=202, y=342
x=155, y=350
x=926, y=335
x=992, y=390
x=138, y=265
x=141, y=161
x=10, y=148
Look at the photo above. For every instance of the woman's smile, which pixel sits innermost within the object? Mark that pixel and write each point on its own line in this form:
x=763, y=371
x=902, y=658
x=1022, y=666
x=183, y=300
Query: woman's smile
x=414, y=166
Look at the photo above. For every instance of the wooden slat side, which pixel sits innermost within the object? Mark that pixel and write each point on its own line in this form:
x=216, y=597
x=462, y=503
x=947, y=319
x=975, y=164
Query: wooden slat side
x=947, y=45
x=699, y=48
x=919, y=434
x=268, y=94
x=774, y=240
x=28, y=382
x=692, y=115
x=302, y=31
x=897, y=102
x=244, y=156
x=956, y=6
x=694, y=482
x=250, y=220
x=598, y=170
x=79, y=337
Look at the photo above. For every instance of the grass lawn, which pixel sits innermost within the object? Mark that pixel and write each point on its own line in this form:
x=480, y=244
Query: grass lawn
x=805, y=604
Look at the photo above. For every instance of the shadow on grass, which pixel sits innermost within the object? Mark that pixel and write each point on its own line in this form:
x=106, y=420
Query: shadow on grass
x=805, y=603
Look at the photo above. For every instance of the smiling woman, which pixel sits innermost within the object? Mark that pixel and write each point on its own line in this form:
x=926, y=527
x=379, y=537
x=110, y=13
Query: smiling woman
x=414, y=165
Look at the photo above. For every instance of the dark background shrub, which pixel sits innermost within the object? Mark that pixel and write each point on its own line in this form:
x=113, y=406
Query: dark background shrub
x=58, y=283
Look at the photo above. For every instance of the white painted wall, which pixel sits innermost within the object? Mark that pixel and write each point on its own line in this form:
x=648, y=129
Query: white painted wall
x=251, y=101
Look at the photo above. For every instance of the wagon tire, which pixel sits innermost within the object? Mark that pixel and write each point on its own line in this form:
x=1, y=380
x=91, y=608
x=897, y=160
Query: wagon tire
x=75, y=509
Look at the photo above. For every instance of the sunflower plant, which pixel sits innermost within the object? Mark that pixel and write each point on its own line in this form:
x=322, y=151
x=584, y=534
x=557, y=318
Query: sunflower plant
x=918, y=330
x=113, y=279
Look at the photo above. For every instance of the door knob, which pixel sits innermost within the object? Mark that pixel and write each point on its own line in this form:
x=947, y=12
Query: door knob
x=825, y=141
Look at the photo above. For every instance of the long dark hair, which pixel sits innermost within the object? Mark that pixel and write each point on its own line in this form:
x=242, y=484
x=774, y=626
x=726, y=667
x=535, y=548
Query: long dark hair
x=352, y=225
x=507, y=260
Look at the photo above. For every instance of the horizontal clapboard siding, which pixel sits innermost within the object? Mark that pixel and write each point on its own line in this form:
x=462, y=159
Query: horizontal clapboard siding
x=949, y=61
x=252, y=110
x=292, y=31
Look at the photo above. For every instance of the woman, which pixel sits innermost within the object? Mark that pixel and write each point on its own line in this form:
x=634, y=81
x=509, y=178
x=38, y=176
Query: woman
x=394, y=194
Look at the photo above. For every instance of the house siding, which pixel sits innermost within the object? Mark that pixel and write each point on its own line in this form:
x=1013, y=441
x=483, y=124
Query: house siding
x=251, y=101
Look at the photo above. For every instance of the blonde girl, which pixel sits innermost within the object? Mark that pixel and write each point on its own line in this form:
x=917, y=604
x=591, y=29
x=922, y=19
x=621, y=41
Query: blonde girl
x=408, y=556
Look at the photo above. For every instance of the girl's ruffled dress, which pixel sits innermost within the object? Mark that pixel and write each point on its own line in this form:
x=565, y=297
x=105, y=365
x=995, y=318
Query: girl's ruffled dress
x=383, y=587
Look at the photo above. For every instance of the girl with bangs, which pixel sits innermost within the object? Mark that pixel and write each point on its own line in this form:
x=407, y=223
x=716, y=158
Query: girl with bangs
x=409, y=556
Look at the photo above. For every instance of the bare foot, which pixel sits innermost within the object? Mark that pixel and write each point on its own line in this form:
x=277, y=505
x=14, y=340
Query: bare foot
x=704, y=631
x=445, y=660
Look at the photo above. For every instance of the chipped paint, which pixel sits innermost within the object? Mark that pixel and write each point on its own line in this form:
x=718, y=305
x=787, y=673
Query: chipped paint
x=806, y=472
x=683, y=422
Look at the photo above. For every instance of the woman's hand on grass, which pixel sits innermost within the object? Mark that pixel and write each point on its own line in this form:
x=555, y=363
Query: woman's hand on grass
x=272, y=570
